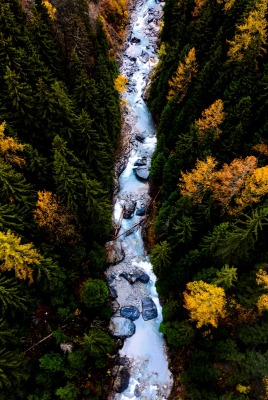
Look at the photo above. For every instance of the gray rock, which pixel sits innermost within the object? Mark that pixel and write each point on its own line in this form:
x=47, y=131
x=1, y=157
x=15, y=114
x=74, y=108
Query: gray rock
x=121, y=381
x=135, y=40
x=149, y=310
x=114, y=305
x=115, y=252
x=122, y=327
x=137, y=391
x=142, y=173
x=129, y=209
x=140, y=162
x=141, y=211
x=111, y=278
x=140, y=137
x=113, y=292
x=130, y=312
x=136, y=275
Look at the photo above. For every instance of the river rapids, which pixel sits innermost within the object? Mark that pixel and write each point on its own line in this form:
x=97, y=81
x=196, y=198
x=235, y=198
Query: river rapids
x=143, y=371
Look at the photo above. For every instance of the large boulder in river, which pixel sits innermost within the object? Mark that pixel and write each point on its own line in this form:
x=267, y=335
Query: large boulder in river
x=122, y=327
x=129, y=209
x=115, y=252
x=149, y=310
x=130, y=312
x=134, y=276
x=122, y=380
x=142, y=173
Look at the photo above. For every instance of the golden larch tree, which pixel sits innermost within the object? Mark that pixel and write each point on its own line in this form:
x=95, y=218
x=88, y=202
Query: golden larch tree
x=228, y=4
x=198, y=5
x=50, y=9
x=186, y=70
x=262, y=279
x=16, y=256
x=211, y=118
x=120, y=83
x=205, y=302
x=230, y=179
x=256, y=186
x=9, y=148
x=54, y=216
x=196, y=182
x=252, y=33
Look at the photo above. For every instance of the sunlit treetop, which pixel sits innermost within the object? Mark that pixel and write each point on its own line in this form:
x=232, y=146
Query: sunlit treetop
x=50, y=9
x=187, y=69
x=9, y=147
x=211, y=118
x=251, y=35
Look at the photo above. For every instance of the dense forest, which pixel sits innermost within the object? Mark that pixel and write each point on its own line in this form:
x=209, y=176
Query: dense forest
x=59, y=128
x=209, y=97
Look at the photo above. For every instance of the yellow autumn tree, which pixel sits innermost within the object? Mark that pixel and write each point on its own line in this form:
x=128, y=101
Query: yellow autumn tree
x=252, y=33
x=256, y=186
x=54, y=216
x=262, y=303
x=50, y=9
x=115, y=12
x=17, y=257
x=211, y=118
x=228, y=4
x=120, y=83
x=196, y=182
x=186, y=70
x=205, y=302
x=262, y=279
x=9, y=147
x=231, y=178
x=198, y=5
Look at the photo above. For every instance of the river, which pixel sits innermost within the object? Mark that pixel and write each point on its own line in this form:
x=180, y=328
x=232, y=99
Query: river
x=132, y=281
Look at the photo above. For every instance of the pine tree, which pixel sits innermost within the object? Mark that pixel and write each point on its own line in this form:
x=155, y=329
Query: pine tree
x=10, y=295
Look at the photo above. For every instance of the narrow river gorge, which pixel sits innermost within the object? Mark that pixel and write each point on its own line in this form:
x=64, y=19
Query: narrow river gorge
x=142, y=371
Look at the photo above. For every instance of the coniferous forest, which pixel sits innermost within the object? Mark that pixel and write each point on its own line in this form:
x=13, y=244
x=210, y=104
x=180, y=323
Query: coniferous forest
x=59, y=127
x=210, y=219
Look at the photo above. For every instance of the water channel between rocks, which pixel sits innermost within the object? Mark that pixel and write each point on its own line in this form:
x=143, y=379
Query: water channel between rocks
x=143, y=373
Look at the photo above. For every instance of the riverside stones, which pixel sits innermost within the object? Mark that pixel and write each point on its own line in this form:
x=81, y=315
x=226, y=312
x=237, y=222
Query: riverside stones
x=149, y=310
x=122, y=380
x=136, y=275
x=130, y=312
x=142, y=173
x=115, y=252
x=129, y=209
x=122, y=327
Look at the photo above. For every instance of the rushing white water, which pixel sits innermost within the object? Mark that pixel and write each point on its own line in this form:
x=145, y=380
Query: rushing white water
x=150, y=377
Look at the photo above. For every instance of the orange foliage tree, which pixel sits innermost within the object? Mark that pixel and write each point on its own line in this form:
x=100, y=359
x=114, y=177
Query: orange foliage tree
x=230, y=179
x=256, y=186
x=186, y=70
x=195, y=183
x=198, y=5
x=211, y=118
x=205, y=302
x=55, y=217
x=261, y=148
x=251, y=34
